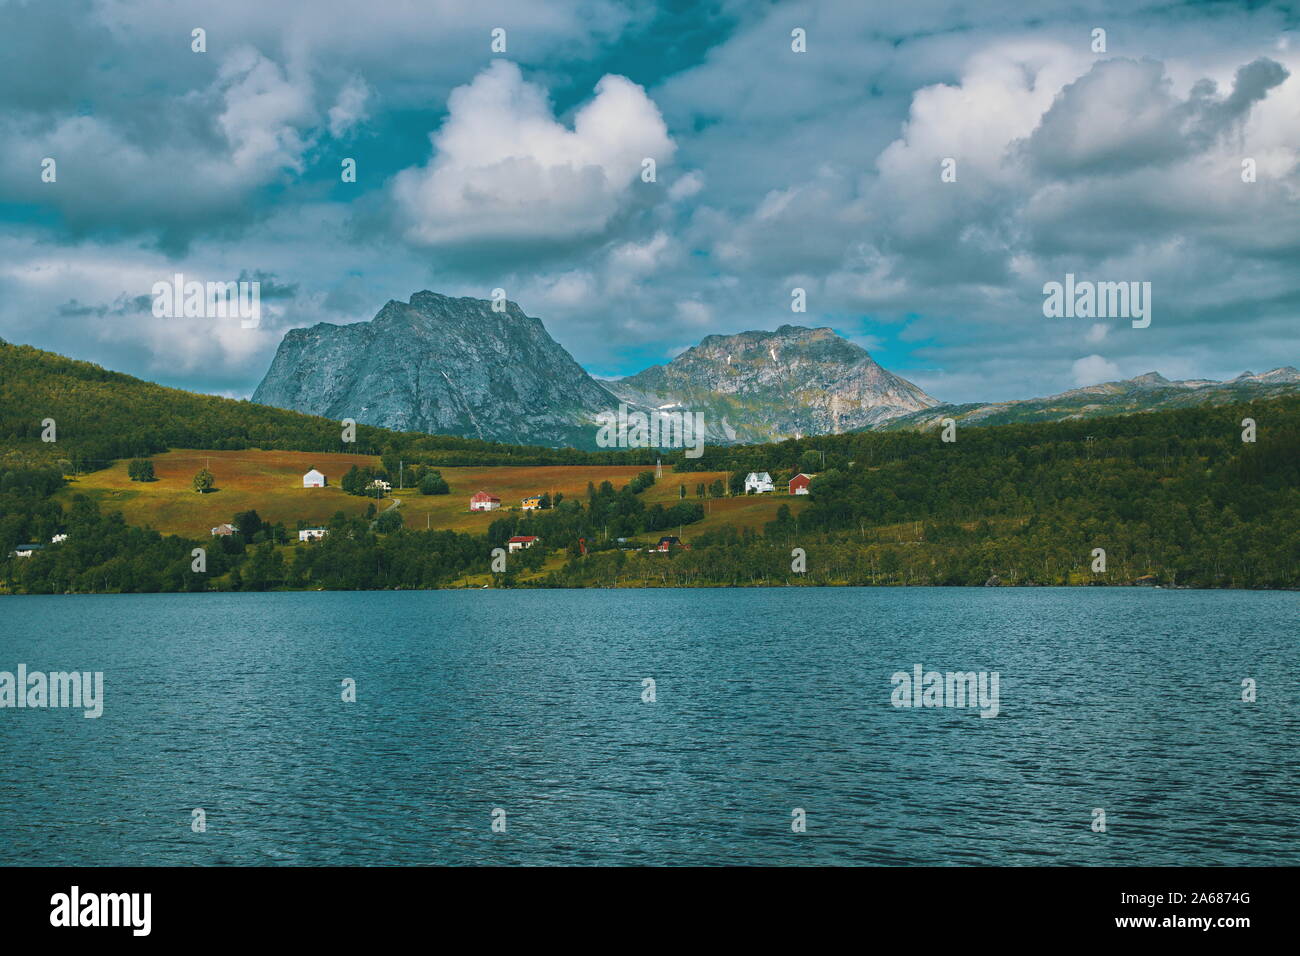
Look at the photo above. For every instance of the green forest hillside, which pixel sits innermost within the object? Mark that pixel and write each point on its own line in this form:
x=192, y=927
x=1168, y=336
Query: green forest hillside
x=1175, y=498
x=101, y=416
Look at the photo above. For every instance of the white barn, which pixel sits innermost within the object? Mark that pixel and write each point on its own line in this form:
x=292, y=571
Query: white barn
x=758, y=482
x=312, y=534
x=313, y=479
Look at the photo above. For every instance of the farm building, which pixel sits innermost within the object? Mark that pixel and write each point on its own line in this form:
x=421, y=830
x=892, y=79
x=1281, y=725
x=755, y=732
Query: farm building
x=312, y=534
x=483, y=501
x=25, y=550
x=224, y=529
x=799, y=484
x=313, y=479
x=531, y=503
x=667, y=543
x=758, y=482
x=379, y=485
x=521, y=541
x=58, y=539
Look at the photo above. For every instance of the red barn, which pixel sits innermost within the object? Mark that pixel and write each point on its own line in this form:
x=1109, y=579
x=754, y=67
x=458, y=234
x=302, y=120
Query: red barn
x=799, y=484
x=484, y=502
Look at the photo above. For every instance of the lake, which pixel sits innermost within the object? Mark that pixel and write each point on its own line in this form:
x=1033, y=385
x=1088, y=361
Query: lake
x=767, y=702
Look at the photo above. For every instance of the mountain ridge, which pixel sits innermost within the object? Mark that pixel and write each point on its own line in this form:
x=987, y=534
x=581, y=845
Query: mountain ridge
x=460, y=366
x=1150, y=391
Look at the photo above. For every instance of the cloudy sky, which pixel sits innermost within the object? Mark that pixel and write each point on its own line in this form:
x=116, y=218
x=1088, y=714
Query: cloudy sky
x=774, y=169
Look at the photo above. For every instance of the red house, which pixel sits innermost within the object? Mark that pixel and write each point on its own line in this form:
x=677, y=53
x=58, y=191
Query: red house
x=483, y=501
x=799, y=484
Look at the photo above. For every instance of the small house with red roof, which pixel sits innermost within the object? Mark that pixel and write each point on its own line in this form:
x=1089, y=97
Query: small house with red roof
x=521, y=541
x=483, y=501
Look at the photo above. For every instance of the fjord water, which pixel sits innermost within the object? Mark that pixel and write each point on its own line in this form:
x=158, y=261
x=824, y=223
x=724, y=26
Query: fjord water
x=1127, y=700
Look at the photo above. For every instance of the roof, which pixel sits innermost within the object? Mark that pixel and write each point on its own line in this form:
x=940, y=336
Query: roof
x=760, y=475
x=670, y=538
x=522, y=538
x=484, y=496
x=28, y=547
x=313, y=529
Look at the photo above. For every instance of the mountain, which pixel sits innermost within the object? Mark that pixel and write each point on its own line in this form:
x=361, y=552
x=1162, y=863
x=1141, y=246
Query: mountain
x=1144, y=393
x=765, y=386
x=456, y=367
x=440, y=365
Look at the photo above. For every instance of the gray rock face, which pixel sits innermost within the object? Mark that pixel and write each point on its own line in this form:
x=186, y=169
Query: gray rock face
x=454, y=367
x=763, y=386
x=440, y=365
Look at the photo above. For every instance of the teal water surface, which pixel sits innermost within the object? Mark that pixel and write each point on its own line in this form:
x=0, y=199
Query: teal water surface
x=767, y=700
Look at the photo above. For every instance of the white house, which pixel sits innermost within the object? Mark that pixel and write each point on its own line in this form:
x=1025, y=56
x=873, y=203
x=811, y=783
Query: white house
x=758, y=482
x=58, y=538
x=379, y=484
x=313, y=479
x=521, y=541
x=483, y=501
x=25, y=550
x=224, y=529
x=312, y=534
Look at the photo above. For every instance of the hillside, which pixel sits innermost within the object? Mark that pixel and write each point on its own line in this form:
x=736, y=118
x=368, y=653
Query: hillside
x=1174, y=498
x=1145, y=393
x=101, y=416
x=270, y=482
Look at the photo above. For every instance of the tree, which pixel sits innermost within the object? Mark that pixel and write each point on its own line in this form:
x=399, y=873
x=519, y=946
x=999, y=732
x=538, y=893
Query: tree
x=204, y=481
x=140, y=469
x=433, y=484
x=247, y=523
x=389, y=521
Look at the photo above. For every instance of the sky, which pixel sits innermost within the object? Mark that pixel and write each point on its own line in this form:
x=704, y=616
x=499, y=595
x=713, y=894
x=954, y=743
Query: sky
x=920, y=170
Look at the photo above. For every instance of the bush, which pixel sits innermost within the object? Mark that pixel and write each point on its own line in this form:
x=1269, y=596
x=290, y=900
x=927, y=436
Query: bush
x=434, y=484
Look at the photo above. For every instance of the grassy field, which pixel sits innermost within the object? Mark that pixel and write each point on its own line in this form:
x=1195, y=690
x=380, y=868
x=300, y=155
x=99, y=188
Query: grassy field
x=271, y=483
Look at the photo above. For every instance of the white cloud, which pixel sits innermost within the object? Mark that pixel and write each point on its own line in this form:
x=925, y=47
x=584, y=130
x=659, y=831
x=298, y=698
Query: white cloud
x=1096, y=332
x=686, y=186
x=694, y=312
x=1094, y=370
x=263, y=110
x=505, y=169
x=350, y=108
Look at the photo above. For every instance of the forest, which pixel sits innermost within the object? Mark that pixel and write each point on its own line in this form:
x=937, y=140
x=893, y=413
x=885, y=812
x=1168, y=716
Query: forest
x=1200, y=497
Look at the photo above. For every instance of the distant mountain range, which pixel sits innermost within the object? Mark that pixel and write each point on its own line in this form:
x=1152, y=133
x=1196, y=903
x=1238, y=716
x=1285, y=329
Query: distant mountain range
x=455, y=366
x=1145, y=393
